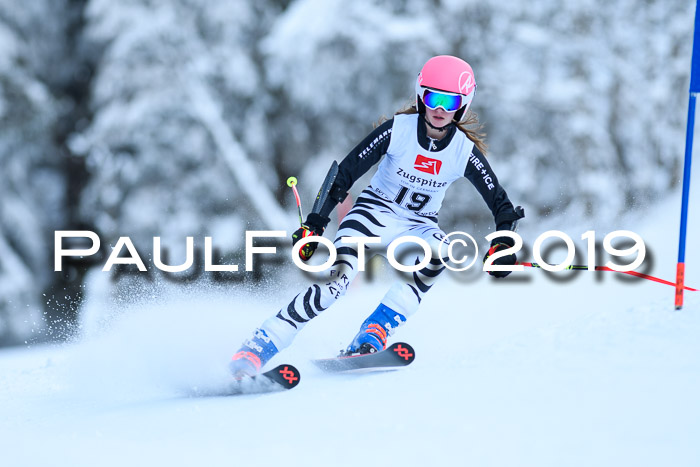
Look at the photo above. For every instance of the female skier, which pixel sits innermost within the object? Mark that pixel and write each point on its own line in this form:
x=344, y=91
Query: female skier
x=427, y=147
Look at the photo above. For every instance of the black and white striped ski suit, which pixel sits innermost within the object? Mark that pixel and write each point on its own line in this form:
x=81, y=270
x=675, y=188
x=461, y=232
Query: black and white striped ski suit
x=371, y=216
x=403, y=199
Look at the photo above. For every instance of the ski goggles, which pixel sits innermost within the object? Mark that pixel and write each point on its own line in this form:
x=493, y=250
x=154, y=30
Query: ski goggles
x=449, y=102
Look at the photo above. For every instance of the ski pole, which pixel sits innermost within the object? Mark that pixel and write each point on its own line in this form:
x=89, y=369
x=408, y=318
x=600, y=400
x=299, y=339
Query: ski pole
x=292, y=182
x=605, y=268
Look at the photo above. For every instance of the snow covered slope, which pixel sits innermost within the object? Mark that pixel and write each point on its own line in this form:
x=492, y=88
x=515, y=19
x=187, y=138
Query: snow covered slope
x=593, y=371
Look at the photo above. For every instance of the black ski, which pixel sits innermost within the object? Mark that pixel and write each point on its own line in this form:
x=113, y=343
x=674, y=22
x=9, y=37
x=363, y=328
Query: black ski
x=280, y=378
x=393, y=357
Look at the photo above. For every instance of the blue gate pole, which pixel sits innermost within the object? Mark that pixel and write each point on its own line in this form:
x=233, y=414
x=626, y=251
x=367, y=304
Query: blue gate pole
x=680, y=267
x=694, y=89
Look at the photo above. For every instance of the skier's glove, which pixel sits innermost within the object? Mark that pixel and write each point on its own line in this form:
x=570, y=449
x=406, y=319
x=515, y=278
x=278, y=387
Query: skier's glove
x=497, y=244
x=315, y=225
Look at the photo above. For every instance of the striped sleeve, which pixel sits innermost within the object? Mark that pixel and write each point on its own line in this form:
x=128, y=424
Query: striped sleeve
x=357, y=163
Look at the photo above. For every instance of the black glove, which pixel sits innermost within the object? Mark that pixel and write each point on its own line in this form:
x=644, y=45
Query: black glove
x=315, y=225
x=501, y=243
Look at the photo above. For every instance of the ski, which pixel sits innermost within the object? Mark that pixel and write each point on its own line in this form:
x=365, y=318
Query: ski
x=280, y=378
x=285, y=376
x=393, y=357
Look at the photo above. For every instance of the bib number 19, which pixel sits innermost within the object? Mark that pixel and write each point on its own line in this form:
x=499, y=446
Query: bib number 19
x=416, y=201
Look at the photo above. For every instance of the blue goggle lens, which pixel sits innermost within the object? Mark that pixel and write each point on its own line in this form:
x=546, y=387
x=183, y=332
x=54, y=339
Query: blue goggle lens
x=449, y=102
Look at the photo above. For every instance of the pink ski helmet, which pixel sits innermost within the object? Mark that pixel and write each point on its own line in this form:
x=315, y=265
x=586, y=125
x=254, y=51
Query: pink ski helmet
x=450, y=75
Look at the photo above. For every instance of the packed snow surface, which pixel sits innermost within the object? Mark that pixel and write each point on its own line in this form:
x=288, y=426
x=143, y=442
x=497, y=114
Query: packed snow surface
x=525, y=371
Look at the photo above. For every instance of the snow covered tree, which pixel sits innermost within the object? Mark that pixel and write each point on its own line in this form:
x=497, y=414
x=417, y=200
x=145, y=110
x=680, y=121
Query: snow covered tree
x=178, y=101
x=31, y=185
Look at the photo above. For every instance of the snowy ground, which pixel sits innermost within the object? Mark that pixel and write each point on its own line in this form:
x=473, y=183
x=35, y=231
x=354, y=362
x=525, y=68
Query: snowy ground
x=594, y=371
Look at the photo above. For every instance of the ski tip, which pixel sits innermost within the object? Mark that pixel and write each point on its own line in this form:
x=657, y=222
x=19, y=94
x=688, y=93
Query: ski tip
x=403, y=351
x=285, y=375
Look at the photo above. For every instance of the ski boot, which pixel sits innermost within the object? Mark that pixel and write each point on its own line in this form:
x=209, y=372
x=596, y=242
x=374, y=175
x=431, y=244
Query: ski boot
x=253, y=355
x=374, y=331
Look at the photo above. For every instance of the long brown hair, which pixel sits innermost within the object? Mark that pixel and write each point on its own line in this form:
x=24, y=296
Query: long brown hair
x=469, y=125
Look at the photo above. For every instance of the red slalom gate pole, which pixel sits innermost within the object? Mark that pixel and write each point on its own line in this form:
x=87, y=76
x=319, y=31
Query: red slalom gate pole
x=583, y=267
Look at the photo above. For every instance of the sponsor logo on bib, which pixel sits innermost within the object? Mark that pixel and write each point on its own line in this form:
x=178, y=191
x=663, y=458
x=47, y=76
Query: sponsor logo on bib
x=427, y=165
